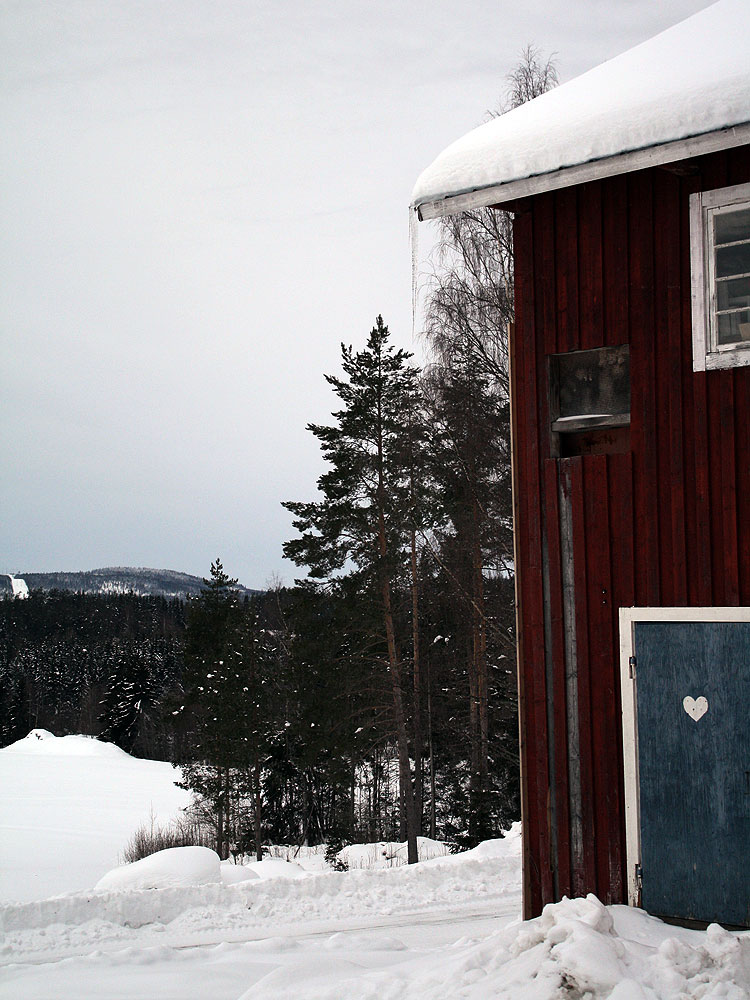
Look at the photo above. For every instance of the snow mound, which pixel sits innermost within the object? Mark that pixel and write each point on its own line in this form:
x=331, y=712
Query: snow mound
x=581, y=948
x=42, y=741
x=577, y=948
x=276, y=868
x=507, y=846
x=177, y=866
x=232, y=874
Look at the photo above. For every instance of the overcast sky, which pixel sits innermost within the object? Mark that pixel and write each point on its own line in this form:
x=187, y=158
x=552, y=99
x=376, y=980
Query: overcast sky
x=200, y=199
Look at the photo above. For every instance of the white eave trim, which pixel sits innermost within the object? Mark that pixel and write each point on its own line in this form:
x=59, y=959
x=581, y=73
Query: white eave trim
x=581, y=173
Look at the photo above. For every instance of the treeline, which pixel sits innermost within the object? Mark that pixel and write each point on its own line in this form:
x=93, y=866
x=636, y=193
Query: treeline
x=278, y=707
x=90, y=663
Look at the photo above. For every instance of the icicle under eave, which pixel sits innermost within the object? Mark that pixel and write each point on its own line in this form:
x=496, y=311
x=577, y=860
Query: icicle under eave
x=414, y=249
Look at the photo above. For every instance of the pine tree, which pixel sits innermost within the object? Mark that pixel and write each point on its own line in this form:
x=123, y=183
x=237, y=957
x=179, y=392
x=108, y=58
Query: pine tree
x=471, y=461
x=363, y=517
x=214, y=682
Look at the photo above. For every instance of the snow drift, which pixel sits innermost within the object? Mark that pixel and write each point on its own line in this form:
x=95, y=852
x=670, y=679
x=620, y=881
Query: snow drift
x=166, y=869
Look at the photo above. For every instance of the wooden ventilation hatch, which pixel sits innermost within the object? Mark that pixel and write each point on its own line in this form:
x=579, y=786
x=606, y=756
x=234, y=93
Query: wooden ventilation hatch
x=589, y=394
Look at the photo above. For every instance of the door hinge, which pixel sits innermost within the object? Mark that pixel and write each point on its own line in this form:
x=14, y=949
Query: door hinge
x=639, y=877
x=632, y=665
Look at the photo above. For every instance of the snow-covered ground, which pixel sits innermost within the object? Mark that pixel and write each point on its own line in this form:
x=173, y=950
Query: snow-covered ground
x=68, y=806
x=448, y=927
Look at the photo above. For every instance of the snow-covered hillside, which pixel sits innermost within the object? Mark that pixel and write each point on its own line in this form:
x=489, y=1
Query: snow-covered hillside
x=68, y=806
x=124, y=580
x=446, y=928
x=13, y=586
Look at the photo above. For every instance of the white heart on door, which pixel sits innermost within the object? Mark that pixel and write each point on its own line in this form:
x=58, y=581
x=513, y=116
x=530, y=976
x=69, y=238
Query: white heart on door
x=696, y=708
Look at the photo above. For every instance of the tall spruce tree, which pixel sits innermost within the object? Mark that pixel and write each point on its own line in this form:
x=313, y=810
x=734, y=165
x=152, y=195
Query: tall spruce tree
x=362, y=523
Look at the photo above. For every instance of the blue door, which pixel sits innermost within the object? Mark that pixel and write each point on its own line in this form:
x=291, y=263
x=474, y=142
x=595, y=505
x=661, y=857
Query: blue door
x=693, y=684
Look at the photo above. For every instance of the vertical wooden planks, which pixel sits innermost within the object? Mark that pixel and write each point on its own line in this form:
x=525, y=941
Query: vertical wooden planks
x=714, y=175
x=546, y=344
x=738, y=172
x=643, y=386
x=559, y=735
x=695, y=566
x=742, y=441
x=728, y=452
x=584, y=878
x=590, y=279
x=622, y=541
x=703, y=568
x=544, y=334
x=669, y=352
x=566, y=266
x=615, y=260
x=605, y=728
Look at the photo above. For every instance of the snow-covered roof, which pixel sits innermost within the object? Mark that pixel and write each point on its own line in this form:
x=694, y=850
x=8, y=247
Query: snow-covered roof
x=682, y=93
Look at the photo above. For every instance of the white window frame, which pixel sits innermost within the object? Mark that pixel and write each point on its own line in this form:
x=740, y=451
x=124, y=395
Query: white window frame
x=629, y=701
x=707, y=353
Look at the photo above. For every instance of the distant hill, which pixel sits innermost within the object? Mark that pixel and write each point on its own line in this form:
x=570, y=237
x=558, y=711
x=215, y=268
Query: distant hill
x=122, y=580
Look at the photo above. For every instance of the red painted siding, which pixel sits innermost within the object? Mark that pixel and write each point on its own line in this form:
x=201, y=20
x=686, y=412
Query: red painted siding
x=665, y=524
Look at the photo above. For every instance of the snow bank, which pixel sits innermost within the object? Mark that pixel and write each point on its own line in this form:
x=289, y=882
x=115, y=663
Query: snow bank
x=167, y=869
x=218, y=912
x=232, y=874
x=506, y=847
x=276, y=868
x=42, y=741
x=444, y=928
x=581, y=948
x=576, y=949
x=62, y=921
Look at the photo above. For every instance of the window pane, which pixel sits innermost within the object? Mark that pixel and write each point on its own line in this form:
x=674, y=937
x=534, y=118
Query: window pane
x=733, y=260
x=731, y=226
x=733, y=294
x=734, y=327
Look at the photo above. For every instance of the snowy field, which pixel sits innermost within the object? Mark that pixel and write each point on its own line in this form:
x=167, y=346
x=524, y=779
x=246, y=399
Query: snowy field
x=445, y=928
x=68, y=807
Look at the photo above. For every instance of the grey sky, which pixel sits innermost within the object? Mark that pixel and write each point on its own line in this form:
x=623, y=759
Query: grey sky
x=200, y=200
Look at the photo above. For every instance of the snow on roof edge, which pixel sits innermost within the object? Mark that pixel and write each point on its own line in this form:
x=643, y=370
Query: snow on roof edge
x=605, y=166
x=689, y=81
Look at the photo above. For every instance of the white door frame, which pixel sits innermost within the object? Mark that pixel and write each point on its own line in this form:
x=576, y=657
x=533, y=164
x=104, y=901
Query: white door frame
x=628, y=689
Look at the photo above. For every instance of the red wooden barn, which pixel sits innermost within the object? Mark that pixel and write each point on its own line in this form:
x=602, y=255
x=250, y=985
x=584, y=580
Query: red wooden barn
x=630, y=374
